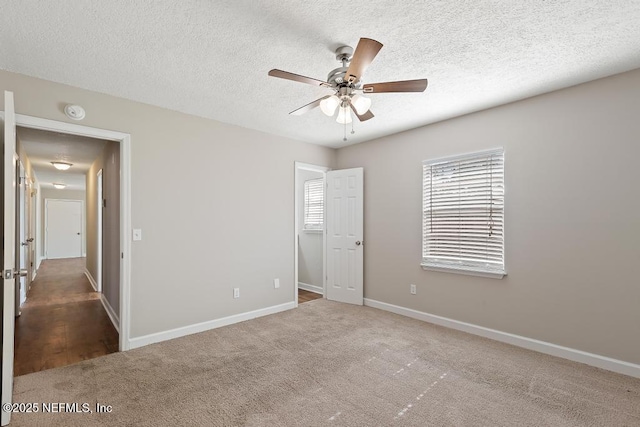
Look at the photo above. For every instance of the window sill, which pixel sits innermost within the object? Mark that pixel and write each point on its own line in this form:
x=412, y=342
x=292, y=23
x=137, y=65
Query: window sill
x=470, y=271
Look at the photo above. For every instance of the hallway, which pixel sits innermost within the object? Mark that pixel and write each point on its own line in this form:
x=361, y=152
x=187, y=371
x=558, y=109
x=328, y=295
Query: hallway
x=63, y=320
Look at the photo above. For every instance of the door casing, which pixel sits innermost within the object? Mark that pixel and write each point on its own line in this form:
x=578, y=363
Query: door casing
x=297, y=202
x=124, y=140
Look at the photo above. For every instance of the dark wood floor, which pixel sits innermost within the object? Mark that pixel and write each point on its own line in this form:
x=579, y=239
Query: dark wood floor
x=306, y=296
x=63, y=320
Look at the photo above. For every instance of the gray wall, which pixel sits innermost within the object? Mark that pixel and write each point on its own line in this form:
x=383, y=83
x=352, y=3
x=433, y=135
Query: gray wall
x=109, y=162
x=53, y=193
x=572, y=223
x=572, y=218
x=195, y=183
x=310, y=246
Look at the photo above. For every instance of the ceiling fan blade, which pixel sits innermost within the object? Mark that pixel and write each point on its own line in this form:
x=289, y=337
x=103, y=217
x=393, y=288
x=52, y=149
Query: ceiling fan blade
x=310, y=106
x=362, y=117
x=403, y=86
x=297, y=78
x=365, y=53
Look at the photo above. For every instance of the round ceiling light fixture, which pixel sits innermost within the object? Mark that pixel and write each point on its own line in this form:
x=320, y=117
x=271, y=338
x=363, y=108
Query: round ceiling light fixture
x=59, y=185
x=62, y=166
x=74, y=112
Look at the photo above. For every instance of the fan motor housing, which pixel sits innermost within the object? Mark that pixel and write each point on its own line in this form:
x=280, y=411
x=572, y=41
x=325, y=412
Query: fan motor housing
x=336, y=77
x=344, y=55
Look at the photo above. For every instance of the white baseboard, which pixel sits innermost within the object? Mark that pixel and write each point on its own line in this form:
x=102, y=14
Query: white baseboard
x=596, y=360
x=205, y=326
x=110, y=312
x=311, y=288
x=115, y=319
x=94, y=285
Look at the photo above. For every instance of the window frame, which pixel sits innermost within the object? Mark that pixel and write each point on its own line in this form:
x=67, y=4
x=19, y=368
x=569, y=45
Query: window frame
x=459, y=266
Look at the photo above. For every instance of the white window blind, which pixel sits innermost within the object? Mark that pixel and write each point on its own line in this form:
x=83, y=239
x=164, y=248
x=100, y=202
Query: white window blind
x=463, y=213
x=314, y=204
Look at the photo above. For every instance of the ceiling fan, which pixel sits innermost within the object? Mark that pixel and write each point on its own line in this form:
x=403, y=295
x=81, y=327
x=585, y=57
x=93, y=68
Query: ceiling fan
x=346, y=83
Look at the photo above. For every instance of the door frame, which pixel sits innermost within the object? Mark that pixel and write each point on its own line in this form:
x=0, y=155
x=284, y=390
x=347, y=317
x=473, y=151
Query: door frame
x=99, y=229
x=22, y=251
x=296, y=203
x=32, y=257
x=124, y=140
x=46, y=224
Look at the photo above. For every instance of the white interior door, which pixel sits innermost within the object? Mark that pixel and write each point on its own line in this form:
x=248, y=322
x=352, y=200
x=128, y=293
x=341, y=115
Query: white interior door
x=9, y=252
x=345, y=235
x=21, y=237
x=63, y=228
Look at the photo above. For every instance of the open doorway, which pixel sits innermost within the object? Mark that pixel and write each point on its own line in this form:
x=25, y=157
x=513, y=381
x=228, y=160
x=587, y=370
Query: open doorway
x=310, y=227
x=65, y=316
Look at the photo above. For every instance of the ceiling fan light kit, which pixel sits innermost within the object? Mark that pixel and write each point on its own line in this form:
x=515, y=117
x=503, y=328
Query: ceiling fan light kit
x=344, y=116
x=329, y=105
x=345, y=81
x=360, y=103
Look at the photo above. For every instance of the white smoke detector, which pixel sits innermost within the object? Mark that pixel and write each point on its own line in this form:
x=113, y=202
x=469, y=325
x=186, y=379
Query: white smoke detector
x=74, y=112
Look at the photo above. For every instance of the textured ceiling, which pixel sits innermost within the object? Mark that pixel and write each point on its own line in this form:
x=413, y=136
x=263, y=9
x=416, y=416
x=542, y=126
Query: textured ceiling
x=44, y=147
x=211, y=58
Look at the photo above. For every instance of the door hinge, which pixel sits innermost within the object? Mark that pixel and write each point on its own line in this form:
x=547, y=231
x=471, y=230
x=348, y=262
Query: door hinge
x=122, y=255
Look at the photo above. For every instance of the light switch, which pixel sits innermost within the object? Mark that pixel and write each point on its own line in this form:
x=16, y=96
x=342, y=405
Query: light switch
x=137, y=234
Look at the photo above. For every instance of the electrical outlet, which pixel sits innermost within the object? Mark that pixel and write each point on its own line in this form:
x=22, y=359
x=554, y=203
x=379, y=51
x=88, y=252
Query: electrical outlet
x=236, y=292
x=412, y=289
x=276, y=283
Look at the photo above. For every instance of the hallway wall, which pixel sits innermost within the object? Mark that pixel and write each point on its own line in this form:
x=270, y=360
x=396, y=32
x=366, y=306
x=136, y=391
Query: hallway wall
x=109, y=162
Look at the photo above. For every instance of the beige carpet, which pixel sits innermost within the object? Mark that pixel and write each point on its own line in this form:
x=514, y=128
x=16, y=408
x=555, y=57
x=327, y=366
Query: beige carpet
x=333, y=364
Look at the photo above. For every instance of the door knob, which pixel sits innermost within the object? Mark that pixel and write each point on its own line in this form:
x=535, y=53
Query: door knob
x=78, y=234
x=358, y=243
x=20, y=273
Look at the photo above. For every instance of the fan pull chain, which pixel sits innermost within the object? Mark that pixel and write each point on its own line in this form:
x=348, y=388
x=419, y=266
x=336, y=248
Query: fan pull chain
x=352, y=131
x=345, y=131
